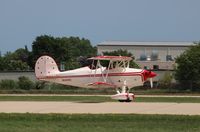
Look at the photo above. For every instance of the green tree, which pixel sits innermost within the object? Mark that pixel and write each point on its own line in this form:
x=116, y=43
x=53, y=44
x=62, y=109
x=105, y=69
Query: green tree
x=25, y=83
x=121, y=52
x=62, y=49
x=21, y=54
x=166, y=80
x=188, y=68
x=1, y=63
x=7, y=84
x=15, y=61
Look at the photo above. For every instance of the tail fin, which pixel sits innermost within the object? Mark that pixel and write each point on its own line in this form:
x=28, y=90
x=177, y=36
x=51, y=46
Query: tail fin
x=45, y=66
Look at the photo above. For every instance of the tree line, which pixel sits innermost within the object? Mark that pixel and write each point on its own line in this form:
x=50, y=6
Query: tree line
x=187, y=71
x=64, y=50
x=70, y=51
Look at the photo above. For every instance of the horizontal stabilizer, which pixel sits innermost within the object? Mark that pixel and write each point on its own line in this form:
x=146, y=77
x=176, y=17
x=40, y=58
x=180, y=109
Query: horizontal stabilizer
x=102, y=84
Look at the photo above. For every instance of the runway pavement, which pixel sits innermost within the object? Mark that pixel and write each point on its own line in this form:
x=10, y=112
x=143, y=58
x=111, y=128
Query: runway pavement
x=196, y=96
x=100, y=108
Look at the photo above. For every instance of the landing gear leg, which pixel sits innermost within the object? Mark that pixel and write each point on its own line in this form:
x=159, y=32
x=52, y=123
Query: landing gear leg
x=128, y=98
x=123, y=95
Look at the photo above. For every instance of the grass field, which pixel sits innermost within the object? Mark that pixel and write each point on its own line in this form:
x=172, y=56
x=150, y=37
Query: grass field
x=57, y=98
x=98, y=99
x=98, y=123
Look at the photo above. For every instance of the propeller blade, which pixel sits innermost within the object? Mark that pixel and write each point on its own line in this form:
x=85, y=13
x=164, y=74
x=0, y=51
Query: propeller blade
x=151, y=82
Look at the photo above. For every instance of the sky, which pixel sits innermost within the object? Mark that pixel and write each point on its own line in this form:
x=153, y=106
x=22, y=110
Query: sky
x=21, y=21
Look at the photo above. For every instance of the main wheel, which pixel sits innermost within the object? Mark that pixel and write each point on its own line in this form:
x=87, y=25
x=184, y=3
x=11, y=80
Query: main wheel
x=128, y=100
x=121, y=100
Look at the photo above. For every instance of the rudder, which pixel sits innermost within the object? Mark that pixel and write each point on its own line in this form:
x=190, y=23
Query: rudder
x=45, y=66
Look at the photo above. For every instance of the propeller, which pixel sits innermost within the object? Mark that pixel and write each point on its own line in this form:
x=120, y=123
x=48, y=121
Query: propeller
x=151, y=79
x=151, y=82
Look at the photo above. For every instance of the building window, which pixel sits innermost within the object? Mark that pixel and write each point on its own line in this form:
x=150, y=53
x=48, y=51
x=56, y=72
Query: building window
x=169, y=58
x=143, y=57
x=155, y=67
x=154, y=55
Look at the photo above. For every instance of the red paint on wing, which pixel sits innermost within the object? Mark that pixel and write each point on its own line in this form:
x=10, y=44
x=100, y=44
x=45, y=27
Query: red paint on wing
x=102, y=84
x=111, y=58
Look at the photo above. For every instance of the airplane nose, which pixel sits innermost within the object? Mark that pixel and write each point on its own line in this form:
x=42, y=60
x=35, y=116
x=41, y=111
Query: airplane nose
x=148, y=74
x=152, y=74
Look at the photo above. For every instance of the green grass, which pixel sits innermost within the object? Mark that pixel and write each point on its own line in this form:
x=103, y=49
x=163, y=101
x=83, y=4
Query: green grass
x=169, y=99
x=92, y=99
x=96, y=99
x=63, y=90
x=98, y=123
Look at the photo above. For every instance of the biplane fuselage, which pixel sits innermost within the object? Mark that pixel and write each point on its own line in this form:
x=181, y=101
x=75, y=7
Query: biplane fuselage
x=85, y=77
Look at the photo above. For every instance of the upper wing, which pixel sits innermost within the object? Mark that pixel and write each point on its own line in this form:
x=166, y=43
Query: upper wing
x=114, y=58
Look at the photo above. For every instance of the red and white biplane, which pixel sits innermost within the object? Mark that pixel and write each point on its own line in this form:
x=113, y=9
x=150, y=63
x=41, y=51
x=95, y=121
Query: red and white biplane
x=116, y=74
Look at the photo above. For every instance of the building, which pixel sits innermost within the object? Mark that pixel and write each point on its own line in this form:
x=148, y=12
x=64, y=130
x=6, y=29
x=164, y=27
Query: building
x=149, y=55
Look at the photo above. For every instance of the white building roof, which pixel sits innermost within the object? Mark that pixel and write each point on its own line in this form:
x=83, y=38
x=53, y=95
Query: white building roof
x=126, y=43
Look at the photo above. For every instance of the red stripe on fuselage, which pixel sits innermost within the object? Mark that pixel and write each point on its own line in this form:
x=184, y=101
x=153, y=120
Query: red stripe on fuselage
x=96, y=75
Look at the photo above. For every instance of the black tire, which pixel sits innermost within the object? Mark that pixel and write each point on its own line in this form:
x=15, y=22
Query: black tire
x=128, y=100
